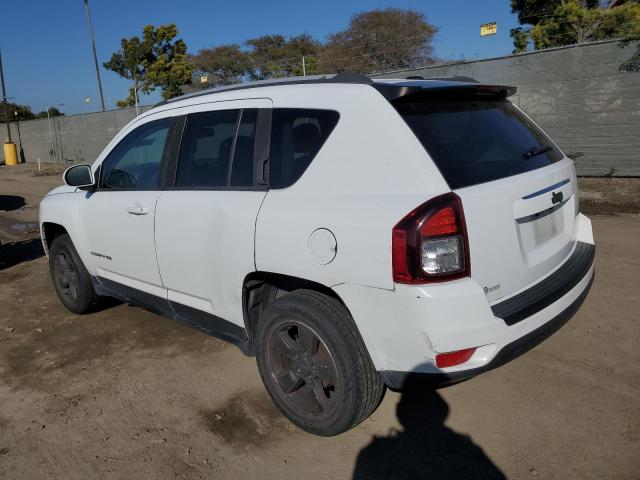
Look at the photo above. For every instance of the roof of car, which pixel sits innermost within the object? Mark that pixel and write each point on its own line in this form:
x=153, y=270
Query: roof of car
x=391, y=88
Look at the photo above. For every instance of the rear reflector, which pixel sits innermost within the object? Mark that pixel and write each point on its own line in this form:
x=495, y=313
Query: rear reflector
x=450, y=359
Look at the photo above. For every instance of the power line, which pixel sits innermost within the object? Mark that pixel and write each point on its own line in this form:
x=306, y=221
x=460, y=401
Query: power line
x=288, y=64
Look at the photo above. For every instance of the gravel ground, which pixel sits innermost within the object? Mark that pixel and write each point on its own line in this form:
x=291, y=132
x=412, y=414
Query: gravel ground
x=122, y=393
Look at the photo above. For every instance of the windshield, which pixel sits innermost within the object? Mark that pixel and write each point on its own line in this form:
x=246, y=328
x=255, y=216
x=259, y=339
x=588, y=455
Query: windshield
x=477, y=141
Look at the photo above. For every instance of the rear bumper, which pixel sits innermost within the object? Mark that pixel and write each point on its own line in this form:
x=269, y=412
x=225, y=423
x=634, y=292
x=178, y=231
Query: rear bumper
x=397, y=379
x=549, y=290
x=406, y=328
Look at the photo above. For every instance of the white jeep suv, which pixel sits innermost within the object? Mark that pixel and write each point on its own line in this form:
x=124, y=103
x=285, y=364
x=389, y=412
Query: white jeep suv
x=350, y=233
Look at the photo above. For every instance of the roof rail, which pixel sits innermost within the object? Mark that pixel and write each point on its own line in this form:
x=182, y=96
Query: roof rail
x=450, y=79
x=350, y=77
x=391, y=91
x=344, y=77
x=455, y=79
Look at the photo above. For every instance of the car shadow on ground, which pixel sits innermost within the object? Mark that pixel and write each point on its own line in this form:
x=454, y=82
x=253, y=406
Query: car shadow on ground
x=11, y=202
x=425, y=448
x=13, y=253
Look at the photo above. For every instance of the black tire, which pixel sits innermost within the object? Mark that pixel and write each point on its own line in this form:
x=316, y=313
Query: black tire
x=321, y=400
x=70, y=277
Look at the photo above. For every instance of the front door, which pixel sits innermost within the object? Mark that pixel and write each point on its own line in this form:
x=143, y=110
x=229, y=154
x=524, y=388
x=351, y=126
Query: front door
x=118, y=218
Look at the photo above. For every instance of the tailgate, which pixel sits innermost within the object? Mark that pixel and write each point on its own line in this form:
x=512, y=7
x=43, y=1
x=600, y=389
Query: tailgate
x=518, y=190
x=520, y=228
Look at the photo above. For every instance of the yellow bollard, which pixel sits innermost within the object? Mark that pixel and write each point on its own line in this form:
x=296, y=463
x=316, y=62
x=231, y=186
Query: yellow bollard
x=10, y=153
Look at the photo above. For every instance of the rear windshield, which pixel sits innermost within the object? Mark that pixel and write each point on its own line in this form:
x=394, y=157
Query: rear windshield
x=477, y=141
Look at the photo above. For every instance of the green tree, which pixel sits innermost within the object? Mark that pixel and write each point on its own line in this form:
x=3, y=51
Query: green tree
x=156, y=60
x=376, y=40
x=15, y=112
x=274, y=56
x=53, y=112
x=222, y=65
x=380, y=40
x=532, y=12
x=564, y=22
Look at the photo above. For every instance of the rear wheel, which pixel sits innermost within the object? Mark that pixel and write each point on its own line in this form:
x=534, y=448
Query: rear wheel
x=315, y=365
x=70, y=278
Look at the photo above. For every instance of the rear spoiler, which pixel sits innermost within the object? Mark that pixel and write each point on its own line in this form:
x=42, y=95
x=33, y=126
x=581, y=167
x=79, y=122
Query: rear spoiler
x=442, y=90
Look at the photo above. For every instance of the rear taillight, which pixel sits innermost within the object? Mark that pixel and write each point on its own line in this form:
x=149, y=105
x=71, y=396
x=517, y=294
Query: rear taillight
x=430, y=244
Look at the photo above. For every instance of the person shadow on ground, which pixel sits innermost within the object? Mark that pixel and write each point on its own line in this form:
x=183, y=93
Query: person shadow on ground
x=21, y=251
x=425, y=448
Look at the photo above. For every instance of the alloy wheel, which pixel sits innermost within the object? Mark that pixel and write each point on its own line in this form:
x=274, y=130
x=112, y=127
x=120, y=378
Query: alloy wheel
x=66, y=277
x=302, y=367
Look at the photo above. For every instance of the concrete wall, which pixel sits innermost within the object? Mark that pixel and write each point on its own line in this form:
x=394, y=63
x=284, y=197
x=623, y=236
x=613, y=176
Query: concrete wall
x=577, y=94
x=73, y=138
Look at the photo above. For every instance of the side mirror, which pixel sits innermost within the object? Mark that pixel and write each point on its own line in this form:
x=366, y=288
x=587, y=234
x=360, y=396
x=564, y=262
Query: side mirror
x=80, y=176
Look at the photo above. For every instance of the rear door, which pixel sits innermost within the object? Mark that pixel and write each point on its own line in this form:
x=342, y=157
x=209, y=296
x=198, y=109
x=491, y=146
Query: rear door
x=205, y=222
x=517, y=188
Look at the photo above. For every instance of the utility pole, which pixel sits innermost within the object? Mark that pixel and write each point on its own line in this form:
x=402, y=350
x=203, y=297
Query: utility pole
x=304, y=67
x=53, y=148
x=93, y=47
x=6, y=101
x=135, y=92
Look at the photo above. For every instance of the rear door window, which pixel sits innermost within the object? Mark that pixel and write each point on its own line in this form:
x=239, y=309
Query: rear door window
x=477, y=141
x=296, y=137
x=242, y=164
x=216, y=150
x=205, y=150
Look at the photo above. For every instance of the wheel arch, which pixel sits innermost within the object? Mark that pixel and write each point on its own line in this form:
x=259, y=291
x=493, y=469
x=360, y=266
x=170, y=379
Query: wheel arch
x=51, y=230
x=60, y=214
x=261, y=288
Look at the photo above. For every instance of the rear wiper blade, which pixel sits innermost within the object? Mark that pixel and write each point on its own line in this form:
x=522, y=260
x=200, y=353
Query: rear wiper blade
x=535, y=151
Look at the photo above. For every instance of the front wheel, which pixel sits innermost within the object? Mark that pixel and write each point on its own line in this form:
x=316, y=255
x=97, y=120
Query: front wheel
x=70, y=277
x=314, y=364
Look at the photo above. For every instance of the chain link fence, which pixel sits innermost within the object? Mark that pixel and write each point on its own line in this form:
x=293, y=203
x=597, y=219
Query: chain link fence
x=585, y=96
x=69, y=139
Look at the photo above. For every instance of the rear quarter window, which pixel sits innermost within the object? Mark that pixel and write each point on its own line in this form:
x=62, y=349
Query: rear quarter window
x=474, y=141
x=296, y=137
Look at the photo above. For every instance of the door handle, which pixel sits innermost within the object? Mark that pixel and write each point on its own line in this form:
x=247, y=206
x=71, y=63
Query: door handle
x=137, y=210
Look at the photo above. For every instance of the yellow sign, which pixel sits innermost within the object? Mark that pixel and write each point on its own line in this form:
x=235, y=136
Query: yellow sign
x=488, y=29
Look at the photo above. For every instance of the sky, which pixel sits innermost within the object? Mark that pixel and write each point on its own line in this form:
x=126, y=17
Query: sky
x=47, y=55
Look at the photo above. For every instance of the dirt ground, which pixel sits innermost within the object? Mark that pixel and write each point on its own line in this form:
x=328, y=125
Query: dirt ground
x=609, y=196
x=124, y=394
